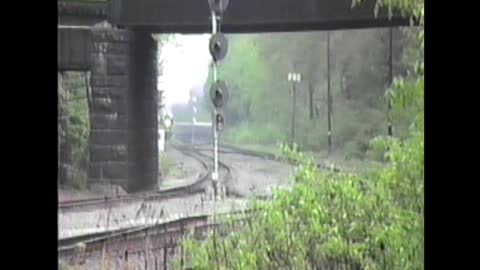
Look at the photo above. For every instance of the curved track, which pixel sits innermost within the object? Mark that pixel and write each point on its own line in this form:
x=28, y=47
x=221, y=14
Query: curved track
x=198, y=186
x=90, y=210
x=99, y=216
x=156, y=244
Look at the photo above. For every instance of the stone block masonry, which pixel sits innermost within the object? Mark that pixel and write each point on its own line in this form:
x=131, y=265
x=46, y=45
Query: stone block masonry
x=123, y=113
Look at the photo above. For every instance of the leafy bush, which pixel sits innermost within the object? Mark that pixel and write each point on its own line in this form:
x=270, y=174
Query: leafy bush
x=370, y=221
x=378, y=148
x=292, y=154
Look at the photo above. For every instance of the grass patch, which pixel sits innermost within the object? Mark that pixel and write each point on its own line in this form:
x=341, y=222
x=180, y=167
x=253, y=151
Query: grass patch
x=166, y=165
x=254, y=134
x=169, y=168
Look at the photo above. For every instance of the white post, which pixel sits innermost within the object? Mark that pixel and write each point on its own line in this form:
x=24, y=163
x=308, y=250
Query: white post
x=215, y=175
x=194, y=119
x=162, y=140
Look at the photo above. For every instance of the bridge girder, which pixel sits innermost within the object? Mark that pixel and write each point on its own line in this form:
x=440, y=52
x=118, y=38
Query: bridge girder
x=192, y=16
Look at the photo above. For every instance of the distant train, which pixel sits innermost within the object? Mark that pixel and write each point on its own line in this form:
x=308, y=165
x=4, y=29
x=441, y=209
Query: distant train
x=167, y=123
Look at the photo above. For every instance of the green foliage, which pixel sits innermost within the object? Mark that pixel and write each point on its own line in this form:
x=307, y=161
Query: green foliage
x=373, y=221
x=254, y=133
x=166, y=165
x=75, y=115
x=292, y=154
x=412, y=8
x=259, y=110
x=408, y=97
x=378, y=148
x=74, y=129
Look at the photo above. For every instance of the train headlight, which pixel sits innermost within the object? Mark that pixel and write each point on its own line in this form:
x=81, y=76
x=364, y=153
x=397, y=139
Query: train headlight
x=167, y=122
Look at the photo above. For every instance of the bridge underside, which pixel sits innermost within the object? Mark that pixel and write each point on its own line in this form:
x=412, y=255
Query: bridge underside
x=192, y=16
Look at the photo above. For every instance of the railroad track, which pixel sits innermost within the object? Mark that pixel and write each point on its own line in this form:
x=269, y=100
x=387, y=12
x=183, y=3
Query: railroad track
x=227, y=169
x=123, y=204
x=163, y=235
x=228, y=149
x=180, y=226
x=184, y=193
x=197, y=186
x=149, y=247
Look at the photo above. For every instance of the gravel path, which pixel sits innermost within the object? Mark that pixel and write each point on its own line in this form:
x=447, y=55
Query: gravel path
x=253, y=175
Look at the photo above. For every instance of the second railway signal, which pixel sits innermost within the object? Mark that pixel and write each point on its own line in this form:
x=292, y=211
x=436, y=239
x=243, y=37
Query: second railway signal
x=219, y=121
x=219, y=94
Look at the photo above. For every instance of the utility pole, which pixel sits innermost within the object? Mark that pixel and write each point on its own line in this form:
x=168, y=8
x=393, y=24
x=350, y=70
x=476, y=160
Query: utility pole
x=390, y=80
x=329, y=98
x=294, y=78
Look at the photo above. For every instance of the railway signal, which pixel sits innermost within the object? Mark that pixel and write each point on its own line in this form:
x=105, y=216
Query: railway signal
x=219, y=94
x=219, y=121
x=218, y=48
